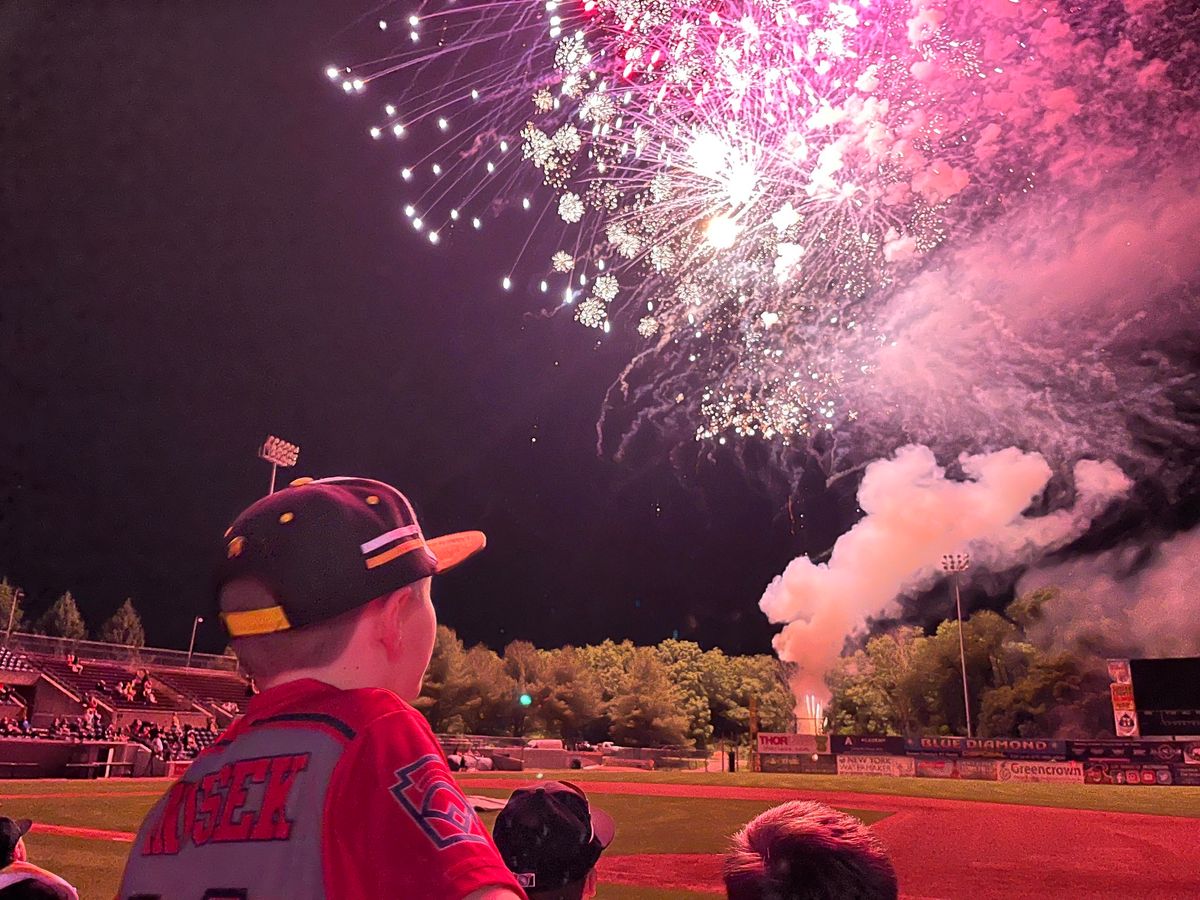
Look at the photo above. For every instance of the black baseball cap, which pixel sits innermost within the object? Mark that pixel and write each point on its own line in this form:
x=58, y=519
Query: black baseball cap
x=11, y=832
x=321, y=548
x=549, y=835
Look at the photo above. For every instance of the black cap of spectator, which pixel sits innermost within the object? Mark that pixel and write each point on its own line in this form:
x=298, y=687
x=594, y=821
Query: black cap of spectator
x=11, y=832
x=550, y=836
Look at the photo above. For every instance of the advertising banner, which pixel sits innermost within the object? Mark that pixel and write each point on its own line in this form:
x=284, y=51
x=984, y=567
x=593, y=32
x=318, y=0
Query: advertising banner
x=1132, y=751
x=1189, y=775
x=978, y=769
x=863, y=764
x=779, y=762
x=819, y=764
x=866, y=743
x=807, y=763
x=769, y=742
x=942, y=767
x=1007, y=748
x=1118, y=671
x=1122, y=696
x=1126, y=773
x=1126, y=723
x=1041, y=772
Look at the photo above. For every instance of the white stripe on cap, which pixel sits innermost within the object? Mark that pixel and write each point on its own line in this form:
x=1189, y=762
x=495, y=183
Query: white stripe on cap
x=389, y=536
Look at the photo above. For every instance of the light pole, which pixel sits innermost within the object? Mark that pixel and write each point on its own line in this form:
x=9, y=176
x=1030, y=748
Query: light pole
x=12, y=614
x=192, y=643
x=278, y=452
x=954, y=564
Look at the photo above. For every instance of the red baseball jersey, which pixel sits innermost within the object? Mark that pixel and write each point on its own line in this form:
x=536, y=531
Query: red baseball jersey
x=316, y=792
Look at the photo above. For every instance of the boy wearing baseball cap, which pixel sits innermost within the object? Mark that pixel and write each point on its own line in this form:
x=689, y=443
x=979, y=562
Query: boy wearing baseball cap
x=552, y=838
x=331, y=784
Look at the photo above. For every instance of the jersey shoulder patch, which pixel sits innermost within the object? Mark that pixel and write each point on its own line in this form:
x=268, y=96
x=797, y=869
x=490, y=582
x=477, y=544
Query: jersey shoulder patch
x=425, y=790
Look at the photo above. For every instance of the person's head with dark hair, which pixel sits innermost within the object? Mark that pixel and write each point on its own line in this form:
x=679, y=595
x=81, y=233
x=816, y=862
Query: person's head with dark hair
x=20, y=878
x=808, y=851
x=551, y=838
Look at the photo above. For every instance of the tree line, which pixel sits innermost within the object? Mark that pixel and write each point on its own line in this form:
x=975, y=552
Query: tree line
x=63, y=619
x=1021, y=682
x=672, y=694
x=904, y=681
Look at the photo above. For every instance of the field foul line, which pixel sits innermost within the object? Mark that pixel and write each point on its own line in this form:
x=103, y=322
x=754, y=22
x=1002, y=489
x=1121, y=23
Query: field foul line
x=78, y=795
x=91, y=834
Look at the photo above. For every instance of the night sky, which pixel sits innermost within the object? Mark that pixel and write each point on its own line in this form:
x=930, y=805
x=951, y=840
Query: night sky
x=200, y=246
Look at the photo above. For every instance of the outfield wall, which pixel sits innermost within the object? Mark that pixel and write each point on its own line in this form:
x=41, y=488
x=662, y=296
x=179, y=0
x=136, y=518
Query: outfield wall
x=1011, y=760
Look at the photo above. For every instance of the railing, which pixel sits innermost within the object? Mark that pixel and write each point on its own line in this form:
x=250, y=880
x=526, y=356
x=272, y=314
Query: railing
x=478, y=741
x=139, y=656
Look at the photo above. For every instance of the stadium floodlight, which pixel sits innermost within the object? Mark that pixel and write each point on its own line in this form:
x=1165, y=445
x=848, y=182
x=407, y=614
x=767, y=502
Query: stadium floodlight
x=12, y=614
x=278, y=452
x=192, y=643
x=954, y=564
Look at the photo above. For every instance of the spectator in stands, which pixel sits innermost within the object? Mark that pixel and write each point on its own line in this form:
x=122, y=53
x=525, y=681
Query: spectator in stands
x=551, y=838
x=807, y=851
x=74, y=664
x=21, y=879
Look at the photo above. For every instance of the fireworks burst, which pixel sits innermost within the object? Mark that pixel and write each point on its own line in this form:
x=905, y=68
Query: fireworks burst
x=762, y=176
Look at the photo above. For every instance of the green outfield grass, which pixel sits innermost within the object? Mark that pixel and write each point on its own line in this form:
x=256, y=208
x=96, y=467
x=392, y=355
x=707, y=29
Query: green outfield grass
x=644, y=824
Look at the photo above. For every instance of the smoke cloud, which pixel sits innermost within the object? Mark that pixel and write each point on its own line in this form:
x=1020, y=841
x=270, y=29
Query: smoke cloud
x=1135, y=600
x=913, y=514
x=1052, y=331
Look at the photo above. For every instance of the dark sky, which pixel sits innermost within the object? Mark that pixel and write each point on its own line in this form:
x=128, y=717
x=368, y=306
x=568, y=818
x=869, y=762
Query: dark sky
x=200, y=245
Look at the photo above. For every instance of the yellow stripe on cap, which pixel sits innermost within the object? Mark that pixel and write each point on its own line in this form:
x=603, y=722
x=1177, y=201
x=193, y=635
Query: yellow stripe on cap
x=250, y=622
x=399, y=550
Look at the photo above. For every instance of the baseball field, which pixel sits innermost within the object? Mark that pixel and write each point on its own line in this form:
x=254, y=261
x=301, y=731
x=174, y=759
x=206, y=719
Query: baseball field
x=949, y=839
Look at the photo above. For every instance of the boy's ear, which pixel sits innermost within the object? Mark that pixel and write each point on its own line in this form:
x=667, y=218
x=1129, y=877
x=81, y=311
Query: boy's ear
x=389, y=621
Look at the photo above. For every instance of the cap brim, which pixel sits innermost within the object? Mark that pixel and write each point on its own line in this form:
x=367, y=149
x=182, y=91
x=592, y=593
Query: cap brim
x=23, y=825
x=603, y=826
x=452, y=549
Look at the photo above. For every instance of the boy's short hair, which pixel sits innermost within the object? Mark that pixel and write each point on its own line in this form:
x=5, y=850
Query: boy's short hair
x=807, y=851
x=267, y=656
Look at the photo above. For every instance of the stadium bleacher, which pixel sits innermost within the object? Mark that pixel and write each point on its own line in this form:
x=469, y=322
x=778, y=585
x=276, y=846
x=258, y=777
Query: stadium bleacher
x=14, y=662
x=227, y=692
x=101, y=678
